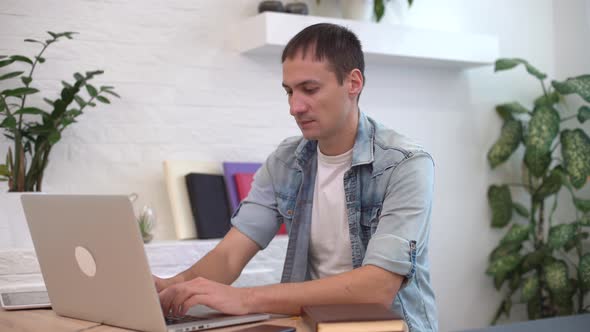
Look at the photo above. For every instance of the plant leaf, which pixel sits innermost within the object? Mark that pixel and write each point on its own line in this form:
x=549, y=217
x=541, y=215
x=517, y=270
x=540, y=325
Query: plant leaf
x=550, y=185
x=8, y=122
x=500, y=201
x=563, y=301
x=4, y=63
x=504, y=265
x=556, y=276
x=575, y=149
x=571, y=244
x=378, y=9
x=26, y=80
x=533, y=260
x=582, y=204
x=112, y=93
x=499, y=281
x=559, y=235
x=515, y=281
x=54, y=137
x=78, y=77
x=583, y=114
x=505, y=64
x=517, y=234
x=520, y=209
x=547, y=100
x=21, y=58
x=34, y=41
x=509, y=109
x=80, y=101
x=542, y=130
x=508, y=63
x=504, y=249
x=103, y=99
x=579, y=85
x=506, y=144
x=91, y=90
x=66, y=84
x=48, y=101
x=530, y=287
x=585, y=220
x=18, y=92
x=537, y=161
x=11, y=75
x=584, y=272
x=31, y=110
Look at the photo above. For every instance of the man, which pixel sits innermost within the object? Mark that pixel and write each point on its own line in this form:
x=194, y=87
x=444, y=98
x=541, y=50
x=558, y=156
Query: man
x=355, y=197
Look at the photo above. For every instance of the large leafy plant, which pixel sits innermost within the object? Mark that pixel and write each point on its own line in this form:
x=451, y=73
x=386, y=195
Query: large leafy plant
x=540, y=261
x=34, y=130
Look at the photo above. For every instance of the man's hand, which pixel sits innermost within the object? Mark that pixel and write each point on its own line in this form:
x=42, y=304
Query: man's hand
x=160, y=283
x=177, y=299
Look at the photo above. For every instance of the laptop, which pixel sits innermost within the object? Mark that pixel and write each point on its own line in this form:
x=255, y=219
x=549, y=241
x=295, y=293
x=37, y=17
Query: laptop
x=95, y=268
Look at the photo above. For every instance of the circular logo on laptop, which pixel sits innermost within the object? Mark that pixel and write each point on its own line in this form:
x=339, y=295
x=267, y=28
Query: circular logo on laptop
x=85, y=261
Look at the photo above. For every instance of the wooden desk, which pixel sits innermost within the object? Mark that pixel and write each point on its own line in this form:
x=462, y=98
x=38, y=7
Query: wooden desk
x=46, y=320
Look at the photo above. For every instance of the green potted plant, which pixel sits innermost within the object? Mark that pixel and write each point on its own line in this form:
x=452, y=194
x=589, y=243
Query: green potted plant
x=364, y=9
x=541, y=262
x=33, y=130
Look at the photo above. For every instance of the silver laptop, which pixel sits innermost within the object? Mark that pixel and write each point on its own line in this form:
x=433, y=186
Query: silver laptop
x=95, y=268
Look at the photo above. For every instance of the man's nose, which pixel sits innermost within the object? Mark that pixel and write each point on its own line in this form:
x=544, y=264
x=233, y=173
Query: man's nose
x=297, y=106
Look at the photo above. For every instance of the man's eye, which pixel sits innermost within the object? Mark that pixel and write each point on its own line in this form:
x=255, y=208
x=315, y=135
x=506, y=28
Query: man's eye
x=310, y=91
x=289, y=93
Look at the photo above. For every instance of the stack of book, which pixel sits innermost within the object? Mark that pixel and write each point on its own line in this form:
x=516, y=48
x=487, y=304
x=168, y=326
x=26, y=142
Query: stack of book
x=366, y=317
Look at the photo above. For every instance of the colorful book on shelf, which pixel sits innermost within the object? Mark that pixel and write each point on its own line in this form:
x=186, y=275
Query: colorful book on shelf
x=229, y=170
x=209, y=205
x=368, y=317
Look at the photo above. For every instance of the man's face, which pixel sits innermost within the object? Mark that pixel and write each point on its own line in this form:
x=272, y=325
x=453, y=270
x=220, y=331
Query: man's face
x=317, y=101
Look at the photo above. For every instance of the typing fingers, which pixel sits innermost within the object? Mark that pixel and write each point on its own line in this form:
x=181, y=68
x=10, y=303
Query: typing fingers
x=178, y=306
x=166, y=298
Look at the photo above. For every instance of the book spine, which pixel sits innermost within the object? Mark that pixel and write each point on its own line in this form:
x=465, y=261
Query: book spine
x=309, y=321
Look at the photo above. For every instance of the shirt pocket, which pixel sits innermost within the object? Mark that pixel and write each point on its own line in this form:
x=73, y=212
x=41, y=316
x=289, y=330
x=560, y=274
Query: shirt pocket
x=369, y=221
x=286, y=208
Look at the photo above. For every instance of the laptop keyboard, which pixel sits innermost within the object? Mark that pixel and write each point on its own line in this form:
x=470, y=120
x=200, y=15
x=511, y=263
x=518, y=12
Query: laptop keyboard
x=184, y=319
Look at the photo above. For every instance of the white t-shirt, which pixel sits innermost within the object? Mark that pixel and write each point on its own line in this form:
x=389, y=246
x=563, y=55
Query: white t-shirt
x=329, y=251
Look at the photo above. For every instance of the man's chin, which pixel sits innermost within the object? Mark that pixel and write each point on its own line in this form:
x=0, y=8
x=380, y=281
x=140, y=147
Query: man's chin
x=310, y=136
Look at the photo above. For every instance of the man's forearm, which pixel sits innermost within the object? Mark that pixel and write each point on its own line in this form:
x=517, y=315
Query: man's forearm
x=363, y=285
x=213, y=266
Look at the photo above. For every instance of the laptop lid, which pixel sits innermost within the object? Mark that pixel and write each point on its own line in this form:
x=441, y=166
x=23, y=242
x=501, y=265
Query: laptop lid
x=94, y=265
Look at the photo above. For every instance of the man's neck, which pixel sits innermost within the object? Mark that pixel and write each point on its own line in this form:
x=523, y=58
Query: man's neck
x=344, y=140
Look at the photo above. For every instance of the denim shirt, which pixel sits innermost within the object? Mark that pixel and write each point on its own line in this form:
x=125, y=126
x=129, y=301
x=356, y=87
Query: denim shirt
x=388, y=193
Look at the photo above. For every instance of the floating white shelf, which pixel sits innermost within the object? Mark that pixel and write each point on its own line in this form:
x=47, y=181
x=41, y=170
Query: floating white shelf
x=269, y=32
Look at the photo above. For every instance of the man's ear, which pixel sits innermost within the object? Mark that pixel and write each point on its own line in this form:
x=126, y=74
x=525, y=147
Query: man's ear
x=355, y=82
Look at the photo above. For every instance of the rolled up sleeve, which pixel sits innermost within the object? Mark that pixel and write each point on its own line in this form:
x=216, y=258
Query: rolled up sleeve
x=257, y=215
x=404, y=222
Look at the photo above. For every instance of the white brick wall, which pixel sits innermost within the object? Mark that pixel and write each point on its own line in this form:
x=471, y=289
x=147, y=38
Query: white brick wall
x=188, y=95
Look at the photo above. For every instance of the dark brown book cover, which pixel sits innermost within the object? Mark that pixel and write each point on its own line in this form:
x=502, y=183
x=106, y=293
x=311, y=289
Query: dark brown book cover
x=313, y=315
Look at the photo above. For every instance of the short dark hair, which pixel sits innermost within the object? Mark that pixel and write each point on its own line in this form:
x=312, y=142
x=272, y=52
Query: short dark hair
x=335, y=43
